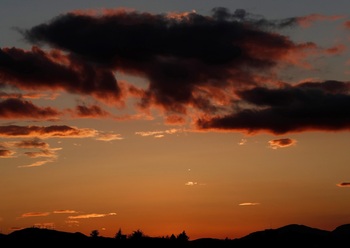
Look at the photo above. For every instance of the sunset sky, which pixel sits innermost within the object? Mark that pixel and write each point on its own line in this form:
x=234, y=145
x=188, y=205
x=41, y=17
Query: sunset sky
x=217, y=118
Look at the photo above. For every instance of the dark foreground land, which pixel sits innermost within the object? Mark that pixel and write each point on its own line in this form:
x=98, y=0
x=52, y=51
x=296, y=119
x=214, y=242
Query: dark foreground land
x=296, y=236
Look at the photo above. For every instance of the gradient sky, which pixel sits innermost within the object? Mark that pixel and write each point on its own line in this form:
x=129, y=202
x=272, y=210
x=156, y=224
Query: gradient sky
x=218, y=118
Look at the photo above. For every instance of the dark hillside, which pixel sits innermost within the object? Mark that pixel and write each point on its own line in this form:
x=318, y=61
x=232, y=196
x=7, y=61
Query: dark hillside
x=287, y=237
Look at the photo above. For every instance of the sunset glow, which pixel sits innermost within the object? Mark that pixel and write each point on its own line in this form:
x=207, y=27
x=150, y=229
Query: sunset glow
x=219, y=118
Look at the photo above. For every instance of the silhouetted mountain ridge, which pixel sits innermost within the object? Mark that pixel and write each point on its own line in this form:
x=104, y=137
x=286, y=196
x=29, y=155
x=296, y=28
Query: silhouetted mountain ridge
x=293, y=235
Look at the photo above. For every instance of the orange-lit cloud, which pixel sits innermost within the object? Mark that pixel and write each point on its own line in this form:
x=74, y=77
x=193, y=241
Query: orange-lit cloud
x=55, y=131
x=249, y=204
x=347, y=24
x=344, y=184
x=338, y=49
x=4, y=153
x=37, y=149
x=190, y=183
x=64, y=211
x=35, y=214
x=49, y=153
x=307, y=21
x=33, y=143
x=159, y=134
x=281, y=143
x=242, y=142
x=108, y=136
x=41, y=148
x=31, y=95
x=88, y=216
x=36, y=164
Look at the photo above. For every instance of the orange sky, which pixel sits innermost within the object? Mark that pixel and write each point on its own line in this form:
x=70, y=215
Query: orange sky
x=218, y=119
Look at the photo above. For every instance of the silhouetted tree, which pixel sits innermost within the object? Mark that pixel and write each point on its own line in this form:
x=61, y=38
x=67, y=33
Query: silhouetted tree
x=137, y=235
x=182, y=236
x=94, y=233
x=119, y=235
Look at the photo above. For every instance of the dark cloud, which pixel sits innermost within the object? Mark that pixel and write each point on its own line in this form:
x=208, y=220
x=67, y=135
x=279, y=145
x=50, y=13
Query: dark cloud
x=16, y=108
x=308, y=106
x=37, y=69
x=92, y=111
x=221, y=67
x=180, y=55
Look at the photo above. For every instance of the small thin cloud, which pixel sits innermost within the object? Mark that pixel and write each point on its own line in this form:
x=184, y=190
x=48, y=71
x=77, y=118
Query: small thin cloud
x=88, y=216
x=159, y=134
x=109, y=136
x=72, y=222
x=249, y=204
x=36, y=164
x=191, y=183
x=64, y=211
x=281, y=143
x=242, y=142
x=35, y=214
x=344, y=184
x=48, y=153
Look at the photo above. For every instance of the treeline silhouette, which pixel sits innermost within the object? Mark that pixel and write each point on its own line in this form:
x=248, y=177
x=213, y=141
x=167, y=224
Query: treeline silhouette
x=290, y=236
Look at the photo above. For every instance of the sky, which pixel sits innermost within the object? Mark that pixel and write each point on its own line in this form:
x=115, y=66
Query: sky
x=217, y=118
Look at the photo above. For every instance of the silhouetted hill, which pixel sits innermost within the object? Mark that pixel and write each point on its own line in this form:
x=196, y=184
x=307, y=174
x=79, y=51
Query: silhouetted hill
x=284, y=237
x=289, y=236
x=34, y=236
x=342, y=233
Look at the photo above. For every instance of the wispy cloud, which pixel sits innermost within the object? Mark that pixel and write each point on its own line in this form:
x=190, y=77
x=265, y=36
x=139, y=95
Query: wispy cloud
x=249, y=204
x=36, y=164
x=37, y=149
x=108, y=136
x=159, y=134
x=64, y=211
x=55, y=131
x=35, y=214
x=88, y=216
